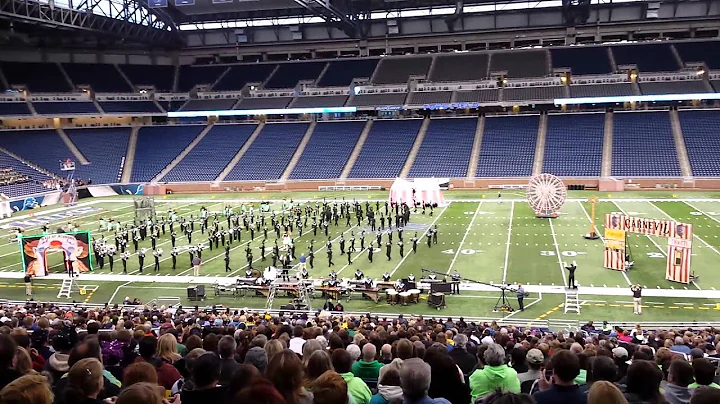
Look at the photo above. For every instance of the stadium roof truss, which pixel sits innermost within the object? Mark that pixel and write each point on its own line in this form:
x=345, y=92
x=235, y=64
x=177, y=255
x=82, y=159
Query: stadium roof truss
x=129, y=20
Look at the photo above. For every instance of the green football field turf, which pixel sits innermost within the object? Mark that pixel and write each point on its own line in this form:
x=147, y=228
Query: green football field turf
x=483, y=237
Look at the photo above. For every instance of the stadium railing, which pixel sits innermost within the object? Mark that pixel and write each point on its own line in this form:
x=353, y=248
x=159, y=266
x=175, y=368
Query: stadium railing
x=553, y=325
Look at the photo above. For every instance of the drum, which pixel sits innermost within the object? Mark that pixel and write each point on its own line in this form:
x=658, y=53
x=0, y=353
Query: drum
x=414, y=295
x=392, y=296
x=405, y=298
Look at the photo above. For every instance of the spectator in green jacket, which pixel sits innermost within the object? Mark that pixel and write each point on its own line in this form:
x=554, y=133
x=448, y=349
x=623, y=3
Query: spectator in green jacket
x=368, y=368
x=495, y=375
x=357, y=389
x=704, y=372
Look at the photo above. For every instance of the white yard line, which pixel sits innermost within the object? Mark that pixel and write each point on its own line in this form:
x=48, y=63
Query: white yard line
x=423, y=235
x=507, y=247
x=118, y=290
x=467, y=231
x=694, y=235
x=704, y=213
x=557, y=252
x=597, y=231
x=528, y=305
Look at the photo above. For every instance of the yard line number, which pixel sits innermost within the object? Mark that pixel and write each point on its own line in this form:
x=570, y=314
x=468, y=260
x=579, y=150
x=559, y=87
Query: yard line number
x=466, y=251
x=563, y=253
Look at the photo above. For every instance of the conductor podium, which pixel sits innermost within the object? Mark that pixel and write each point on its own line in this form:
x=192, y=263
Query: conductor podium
x=196, y=293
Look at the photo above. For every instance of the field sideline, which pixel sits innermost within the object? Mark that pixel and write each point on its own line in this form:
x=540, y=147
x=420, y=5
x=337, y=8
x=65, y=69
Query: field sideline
x=482, y=236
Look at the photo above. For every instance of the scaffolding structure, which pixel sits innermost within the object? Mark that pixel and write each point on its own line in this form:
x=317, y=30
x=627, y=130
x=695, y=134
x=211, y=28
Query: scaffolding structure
x=69, y=189
x=144, y=208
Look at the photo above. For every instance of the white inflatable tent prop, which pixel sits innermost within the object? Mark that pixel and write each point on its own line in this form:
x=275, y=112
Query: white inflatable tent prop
x=426, y=189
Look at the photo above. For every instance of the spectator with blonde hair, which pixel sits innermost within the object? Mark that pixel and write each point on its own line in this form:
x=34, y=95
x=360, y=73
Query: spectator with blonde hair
x=273, y=347
x=604, y=392
x=167, y=348
x=28, y=389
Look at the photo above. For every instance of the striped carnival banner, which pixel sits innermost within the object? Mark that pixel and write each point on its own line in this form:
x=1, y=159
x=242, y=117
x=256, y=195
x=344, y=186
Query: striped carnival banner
x=614, y=259
x=679, y=237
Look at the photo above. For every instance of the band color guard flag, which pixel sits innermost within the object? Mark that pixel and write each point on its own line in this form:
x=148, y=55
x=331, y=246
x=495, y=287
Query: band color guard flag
x=679, y=237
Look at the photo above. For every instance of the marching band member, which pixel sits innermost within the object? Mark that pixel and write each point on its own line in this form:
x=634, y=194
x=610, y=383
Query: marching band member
x=157, y=254
x=411, y=278
x=368, y=283
x=141, y=258
x=174, y=254
x=400, y=285
x=358, y=274
x=304, y=273
x=333, y=275
x=110, y=252
x=124, y=256
x=386, y=277
x=248, y=273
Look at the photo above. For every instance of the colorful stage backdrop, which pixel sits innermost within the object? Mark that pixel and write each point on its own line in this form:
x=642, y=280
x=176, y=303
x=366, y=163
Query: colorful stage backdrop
x=75, y=248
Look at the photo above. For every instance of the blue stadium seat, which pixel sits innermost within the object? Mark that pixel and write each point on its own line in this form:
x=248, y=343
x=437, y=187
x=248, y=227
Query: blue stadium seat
x=521, y=63
x=239, y=75
x=28, y=188
x=102, y=78
x=129, y=106
x=104, y=148
x=582, y=60
x=38, y=77
x=210, y=156
x=647, y=58
x=341, y=73
x=643, y=145
x=14, y=108
x=328, y=150
x=574, y=144
x=702, y=141
x=398, y=70
x=459, y=67
x=191, y=76
x=65, y=107
x=289, y=74
x=386, y=149
x=157, y=146
x=508, y=146
x=706, y=51
x=159, y=76
x=270, y=153
x=43, y=148
x=446, y=148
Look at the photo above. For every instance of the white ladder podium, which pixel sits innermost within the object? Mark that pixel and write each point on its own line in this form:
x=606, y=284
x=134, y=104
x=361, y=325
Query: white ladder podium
x=69, y=286
x=65, y=288
x=572, y=301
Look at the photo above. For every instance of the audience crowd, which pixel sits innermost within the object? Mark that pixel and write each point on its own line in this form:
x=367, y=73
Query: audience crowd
x=152, y=356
